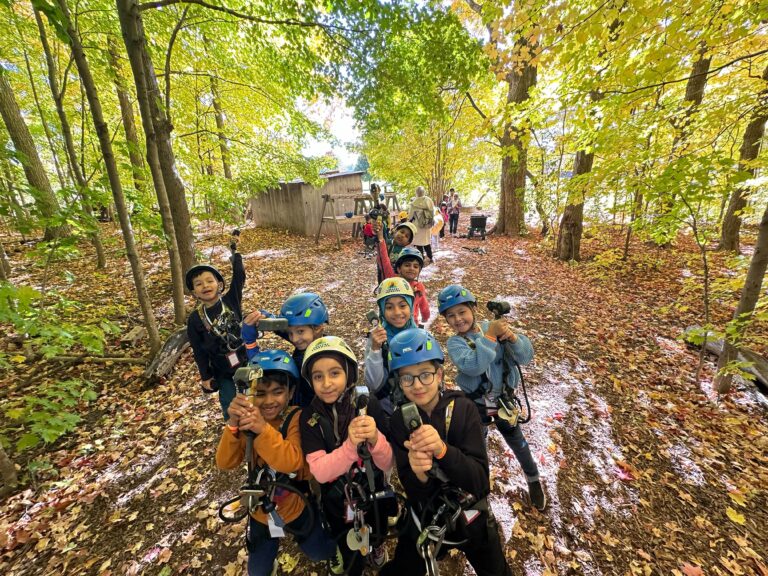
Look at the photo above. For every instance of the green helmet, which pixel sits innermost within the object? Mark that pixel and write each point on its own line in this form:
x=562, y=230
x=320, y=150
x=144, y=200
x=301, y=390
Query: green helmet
x=333, y=346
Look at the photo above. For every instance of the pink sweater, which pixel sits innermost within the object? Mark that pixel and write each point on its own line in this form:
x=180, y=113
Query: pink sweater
x=327, y=466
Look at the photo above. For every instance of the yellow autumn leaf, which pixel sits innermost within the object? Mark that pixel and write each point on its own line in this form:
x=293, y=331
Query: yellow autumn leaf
x=735, y=516
x=737, y=497
x=18, y=359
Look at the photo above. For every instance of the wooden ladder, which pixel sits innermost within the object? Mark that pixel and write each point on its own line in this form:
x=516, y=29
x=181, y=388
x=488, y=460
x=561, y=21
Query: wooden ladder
x=328, y=199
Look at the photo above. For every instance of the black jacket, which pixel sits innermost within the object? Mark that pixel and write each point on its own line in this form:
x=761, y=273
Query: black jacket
x=209, y=350
x=466, y=461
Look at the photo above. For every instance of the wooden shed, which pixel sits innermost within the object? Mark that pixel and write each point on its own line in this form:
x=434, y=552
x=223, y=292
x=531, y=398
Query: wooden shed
x=297, y=206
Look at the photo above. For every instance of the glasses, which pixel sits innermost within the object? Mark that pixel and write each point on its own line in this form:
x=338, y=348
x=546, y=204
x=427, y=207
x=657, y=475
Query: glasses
x=426, y=378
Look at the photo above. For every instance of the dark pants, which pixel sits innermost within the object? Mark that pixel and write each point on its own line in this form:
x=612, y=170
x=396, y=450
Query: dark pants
x=483, y=551
x=262, y=548
x=427, y=248
x=513, y=436
x=453, y=220
x=227, y=393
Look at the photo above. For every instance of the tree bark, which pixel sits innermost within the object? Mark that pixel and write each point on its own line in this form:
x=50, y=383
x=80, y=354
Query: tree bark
x=7, y=474
x=750, y=149
x=747, y=302
x=69, y=144
x=127, y=116
x=156, y=125
x=572, y=223
x=105, y=143
x=514, y=162
x=5, y=264
x=40, y=186
x=130, y=34
x=223, y=143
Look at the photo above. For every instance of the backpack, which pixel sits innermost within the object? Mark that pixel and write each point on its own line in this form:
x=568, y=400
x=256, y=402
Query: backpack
x=424, y=218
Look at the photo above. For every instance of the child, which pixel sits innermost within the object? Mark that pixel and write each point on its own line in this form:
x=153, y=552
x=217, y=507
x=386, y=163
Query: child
x=441, y=462
x=395, y=301
x=214, y=327
x=444, y=214
x=408, y=266
x=277, y=446
x=369, y=237
x=307, y=317
x=402, y=217
x=403, y=236
x=332, y=435
x=437, y=230
x=478, y=354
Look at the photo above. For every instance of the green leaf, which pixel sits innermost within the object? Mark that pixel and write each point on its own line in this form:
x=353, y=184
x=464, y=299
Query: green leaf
x=27, y=441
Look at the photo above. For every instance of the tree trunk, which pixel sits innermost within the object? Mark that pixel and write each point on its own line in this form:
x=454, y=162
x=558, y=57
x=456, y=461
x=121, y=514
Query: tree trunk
x=69, y=145
x=749, y=297
x=105, y=143
x=5, y=264
x=7, y=474
x=572, y=223
x=750, y=149
x=223, y=144
x=153, y=160
x=40, y=186
x=128, y=118
x=514, y=162
x=156, y=125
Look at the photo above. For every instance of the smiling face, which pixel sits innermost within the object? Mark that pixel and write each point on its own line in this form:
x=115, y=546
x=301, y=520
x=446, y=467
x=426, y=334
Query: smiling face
x=461, y=318
x=328, y=378
x=303, y=336
x=425, y=396
x=272, y=397
x=403, y=236
x=206, y=287
x=409, y=269
x=397, y=311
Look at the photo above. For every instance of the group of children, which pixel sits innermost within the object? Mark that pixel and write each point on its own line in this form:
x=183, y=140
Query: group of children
x=435, y=436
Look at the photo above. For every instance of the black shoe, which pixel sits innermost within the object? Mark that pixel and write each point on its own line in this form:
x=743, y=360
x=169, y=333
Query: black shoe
x=537, y=495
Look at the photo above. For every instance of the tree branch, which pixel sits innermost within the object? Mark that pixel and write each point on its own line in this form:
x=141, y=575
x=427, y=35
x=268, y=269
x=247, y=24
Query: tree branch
x=472, y=102
x=686, y=78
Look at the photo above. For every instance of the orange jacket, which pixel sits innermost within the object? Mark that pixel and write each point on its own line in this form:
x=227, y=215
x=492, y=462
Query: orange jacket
x=270, y=448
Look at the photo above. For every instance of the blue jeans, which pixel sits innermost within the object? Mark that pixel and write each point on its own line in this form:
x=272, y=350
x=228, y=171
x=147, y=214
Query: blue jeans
x=262, y=548
x=513, y=435
x=227, y=393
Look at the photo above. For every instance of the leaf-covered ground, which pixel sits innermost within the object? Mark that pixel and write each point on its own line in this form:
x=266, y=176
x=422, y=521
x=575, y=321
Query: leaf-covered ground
x=647, y=471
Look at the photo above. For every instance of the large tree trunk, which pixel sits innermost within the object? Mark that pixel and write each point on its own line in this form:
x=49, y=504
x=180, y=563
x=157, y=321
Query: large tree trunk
x=514, y=162
x=5, y=264
x=105, y=143
x=69, y=144
x=572, y=223
x=750, y=149
x=156, y=125
x=173, y=245
x=749, y=297
x=127, y=116
x=40, y=186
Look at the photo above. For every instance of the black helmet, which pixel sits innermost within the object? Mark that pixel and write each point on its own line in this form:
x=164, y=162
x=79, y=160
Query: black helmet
x=198, y=269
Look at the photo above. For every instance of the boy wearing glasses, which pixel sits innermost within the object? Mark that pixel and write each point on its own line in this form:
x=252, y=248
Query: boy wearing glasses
x=442, y=464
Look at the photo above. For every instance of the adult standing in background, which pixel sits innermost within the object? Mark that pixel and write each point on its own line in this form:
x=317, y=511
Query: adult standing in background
x=454, y=209
x=422, y=214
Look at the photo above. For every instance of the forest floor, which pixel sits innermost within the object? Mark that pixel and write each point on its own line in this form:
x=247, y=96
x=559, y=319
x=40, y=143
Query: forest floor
x=647, y=471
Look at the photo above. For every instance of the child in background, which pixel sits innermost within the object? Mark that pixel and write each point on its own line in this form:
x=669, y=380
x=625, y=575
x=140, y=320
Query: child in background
x=394, y=297
x=277, y=446
x=369, y=237
x=403, y=236
x=332, y=432
x=437, y=230
x=478, y=354
x=408, y=265
x=214, y=326
x=307, y=316
x=444, y=214
x=402, y=217
x=449, y=439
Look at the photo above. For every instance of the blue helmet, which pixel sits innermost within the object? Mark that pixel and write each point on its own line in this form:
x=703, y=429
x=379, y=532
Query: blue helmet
x=413, y=346
x=305, y=309
x=276, y=361
x=409, y=252
x=453, y=295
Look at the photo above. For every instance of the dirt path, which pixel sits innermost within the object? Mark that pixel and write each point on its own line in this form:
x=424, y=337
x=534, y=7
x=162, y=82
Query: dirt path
x=646, y=472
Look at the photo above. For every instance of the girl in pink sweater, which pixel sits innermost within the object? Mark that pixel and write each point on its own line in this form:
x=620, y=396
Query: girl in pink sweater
x=335, y=436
